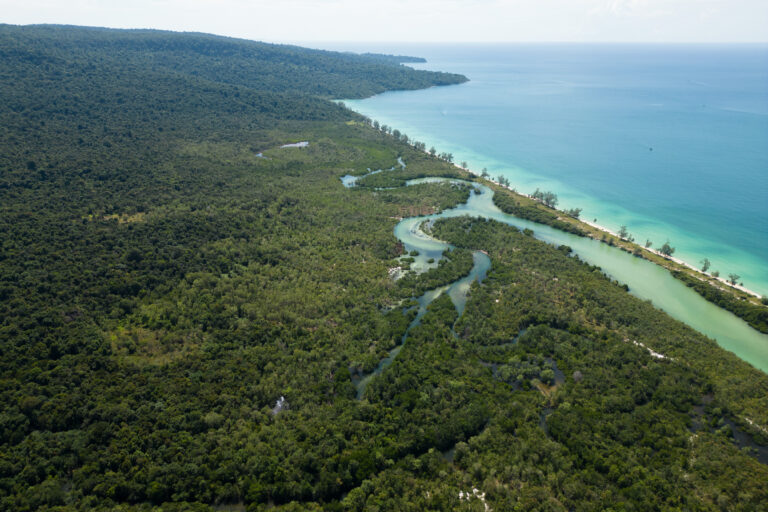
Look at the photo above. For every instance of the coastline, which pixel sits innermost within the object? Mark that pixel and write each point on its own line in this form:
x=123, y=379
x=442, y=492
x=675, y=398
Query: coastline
x=730, y=295
x=726, y=234
x=690, y=268
x=604, y=229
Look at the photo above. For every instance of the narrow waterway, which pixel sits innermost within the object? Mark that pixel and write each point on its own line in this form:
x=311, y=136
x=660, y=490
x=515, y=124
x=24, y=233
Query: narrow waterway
x=457, y=291
x=430, y=251
x=646, y=280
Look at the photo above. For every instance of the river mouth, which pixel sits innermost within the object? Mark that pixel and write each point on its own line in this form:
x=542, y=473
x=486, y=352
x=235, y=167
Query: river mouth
x=645, y=279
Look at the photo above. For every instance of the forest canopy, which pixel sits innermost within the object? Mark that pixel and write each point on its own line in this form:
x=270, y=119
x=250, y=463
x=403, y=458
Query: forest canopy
x=169, y=274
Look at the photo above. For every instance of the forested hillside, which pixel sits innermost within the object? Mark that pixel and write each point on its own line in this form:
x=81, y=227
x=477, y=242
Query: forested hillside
x=262, y=66
x=169, y=272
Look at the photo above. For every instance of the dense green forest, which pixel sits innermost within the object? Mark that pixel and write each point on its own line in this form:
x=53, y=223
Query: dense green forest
x=168, y=272
x=262, y=66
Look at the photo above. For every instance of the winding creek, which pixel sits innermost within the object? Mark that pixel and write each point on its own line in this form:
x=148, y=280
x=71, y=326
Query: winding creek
x=646, y=280
x=457, y=291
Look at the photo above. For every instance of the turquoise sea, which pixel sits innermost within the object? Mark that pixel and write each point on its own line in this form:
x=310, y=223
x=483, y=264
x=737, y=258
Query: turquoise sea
x=669, y=140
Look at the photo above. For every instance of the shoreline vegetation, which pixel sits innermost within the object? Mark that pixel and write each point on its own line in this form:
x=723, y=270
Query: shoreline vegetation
x=540, y=207
x=744, y=303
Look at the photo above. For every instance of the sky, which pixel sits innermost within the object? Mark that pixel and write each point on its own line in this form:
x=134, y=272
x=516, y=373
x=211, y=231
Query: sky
x=302, y=21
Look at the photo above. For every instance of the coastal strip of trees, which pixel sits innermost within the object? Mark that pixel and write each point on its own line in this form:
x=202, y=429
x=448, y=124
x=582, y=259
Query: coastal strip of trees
x=755, y=315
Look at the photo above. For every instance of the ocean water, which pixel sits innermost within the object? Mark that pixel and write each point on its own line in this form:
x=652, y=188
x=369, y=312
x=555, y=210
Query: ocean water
x=669, y=140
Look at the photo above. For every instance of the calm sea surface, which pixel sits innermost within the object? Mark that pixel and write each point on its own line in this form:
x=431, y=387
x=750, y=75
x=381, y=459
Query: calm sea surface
x=671, y=141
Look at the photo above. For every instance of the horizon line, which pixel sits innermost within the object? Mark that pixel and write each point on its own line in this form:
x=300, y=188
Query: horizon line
x=380, y=41
x=525, y=42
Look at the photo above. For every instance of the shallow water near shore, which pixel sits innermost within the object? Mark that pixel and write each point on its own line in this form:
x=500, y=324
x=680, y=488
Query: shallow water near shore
x=671, y=141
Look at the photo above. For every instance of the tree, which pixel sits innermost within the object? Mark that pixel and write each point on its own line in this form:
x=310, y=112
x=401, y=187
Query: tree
x=705, y=264
x=648, y=243
x=376, y=124
x=666, y=249
x=432, y=151
x=573, y=212
x=732, y=278
x=464, y=165
x=485, y=173
x=396, y=134
x=715, y=273
x=623, y=233
x=404, y=138
x=548, y=198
